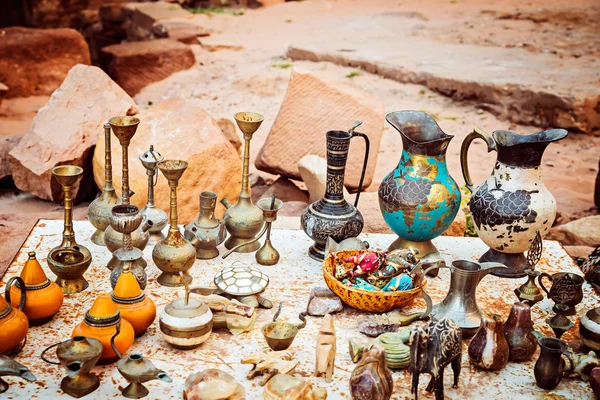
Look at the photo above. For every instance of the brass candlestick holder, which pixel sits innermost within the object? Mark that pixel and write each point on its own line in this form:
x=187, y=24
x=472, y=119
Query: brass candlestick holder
x=244, y=220
x=69, y=260
x=125, y=219
x=99, y=209
x=124, y=128
x=152, y=213
x=174, y=253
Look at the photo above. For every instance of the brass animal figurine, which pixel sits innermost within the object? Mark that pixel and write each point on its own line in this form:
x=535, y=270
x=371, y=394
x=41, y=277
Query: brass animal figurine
x=289, y=387
x=270, y=364
x=326, y=349
x=432, y=348
x=9, y=367
x=371, y=379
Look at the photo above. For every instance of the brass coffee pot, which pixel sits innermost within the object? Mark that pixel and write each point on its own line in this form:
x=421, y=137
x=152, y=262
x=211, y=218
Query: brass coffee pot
x=206, y=232
x=244, y=220
x=152, y=213
x=69, y=260
x=78, y=356
x=99, y=209
x=9, y=367
x=124, y=129
x=174, y=254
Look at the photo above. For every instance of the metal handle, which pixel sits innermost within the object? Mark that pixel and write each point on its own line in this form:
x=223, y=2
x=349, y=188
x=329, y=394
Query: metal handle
x=48, y=348
x=568, y=371
x=112, y=340
x=539, y=278
x=278, y=312
x=464, y=149
x=366, y=160
x=21, y=287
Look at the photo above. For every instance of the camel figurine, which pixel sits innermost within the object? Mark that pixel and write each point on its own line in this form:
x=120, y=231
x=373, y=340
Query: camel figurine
x=326, y=349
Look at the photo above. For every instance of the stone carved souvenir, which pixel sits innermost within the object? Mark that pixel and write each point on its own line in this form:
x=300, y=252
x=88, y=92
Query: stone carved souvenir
x=511, y=206
x=550, y=365
x=208, y=230
x=432, y=348
x=595, y=381
x=419, y=199
x=99, y=209
x=152, y=213
x=9, y=367
x=247, y=285
x=560, y=323
x=371, y=379
x=519, y=333
x=270, y=364
x=212, y=384
x=43, y=299
x=243, y=219
x=135, y=307
x=589, y=328
x=13, y=322
x=566, y=289
x=353, y=243
x=397, y=353
x=323, y=301
x=326, y=349
x=289, y=387
x=460, y=303
x=333, y=216
x=583, y=364
x=488, y=350
x=77, y=356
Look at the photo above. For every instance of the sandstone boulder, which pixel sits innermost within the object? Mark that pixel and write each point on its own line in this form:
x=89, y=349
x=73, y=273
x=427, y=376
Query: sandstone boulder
x=65, y=130
x=581, y=232
x=135, y=65
x=36, y=61
x=579, y=251
x=286, y=191
x=178, y=129
x=142, y=17
x=313, y=106
x=181, y=30
x=597, y=188
x=313, y=171
x=230, y=131
x=7, y=143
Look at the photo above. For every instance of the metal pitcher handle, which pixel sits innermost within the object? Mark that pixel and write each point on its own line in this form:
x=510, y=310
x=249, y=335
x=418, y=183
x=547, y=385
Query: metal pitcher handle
x=21, y=286
x=364, y=169
x=464, y=150
x=539, y=279
x=48, y=348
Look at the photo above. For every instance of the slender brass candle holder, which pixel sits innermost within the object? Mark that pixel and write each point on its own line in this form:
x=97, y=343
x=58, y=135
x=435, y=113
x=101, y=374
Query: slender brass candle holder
x=174, y=253
x=99, y=209
x=124, y=128
x=69, y=260
x=158, y=217
x=244, y=220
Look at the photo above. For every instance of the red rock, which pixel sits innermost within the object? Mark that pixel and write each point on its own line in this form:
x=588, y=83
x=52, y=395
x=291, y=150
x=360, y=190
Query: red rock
x=135, y=65
x=300, y=126
x=182, y=31
x=36, y=61
x=7, y=143
x=580, y=232
x=286, y=191
x=65, y=131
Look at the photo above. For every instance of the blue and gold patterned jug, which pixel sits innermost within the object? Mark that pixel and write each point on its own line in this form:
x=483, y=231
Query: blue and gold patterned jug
x=419, y=199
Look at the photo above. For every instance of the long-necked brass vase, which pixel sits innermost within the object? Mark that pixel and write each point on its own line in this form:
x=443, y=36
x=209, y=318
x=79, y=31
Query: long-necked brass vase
x=69, y=260
x=174, y=253
x=152, y=213
x=124, y=129
x=244, y=220
x=99, y=209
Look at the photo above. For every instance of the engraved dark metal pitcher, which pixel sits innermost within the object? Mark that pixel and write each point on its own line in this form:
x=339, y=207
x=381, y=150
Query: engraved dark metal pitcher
x=333, y=216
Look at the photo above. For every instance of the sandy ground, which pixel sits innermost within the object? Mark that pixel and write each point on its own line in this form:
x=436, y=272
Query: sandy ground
x=248, y=71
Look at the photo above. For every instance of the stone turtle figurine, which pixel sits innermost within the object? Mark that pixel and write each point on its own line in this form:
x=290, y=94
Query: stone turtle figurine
x=432, y=348
x=371, y=379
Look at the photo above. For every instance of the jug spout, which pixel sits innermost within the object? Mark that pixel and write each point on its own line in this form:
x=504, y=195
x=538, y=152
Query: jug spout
x=487, y=267
x=225, y=203
x=147, y=225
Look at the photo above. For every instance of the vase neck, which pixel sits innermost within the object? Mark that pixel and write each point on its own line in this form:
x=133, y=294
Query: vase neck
x=338, y=144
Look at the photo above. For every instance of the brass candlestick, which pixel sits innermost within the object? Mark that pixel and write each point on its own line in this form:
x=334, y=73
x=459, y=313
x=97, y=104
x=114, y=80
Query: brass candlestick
x=125, y=219
x=174, y=253
x=69, y=260
x=99, y=209
x=244, y=220
x=159, y=218
x=124, y=128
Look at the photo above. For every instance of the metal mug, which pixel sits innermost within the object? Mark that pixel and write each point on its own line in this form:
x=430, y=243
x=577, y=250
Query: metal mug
x=566, y=289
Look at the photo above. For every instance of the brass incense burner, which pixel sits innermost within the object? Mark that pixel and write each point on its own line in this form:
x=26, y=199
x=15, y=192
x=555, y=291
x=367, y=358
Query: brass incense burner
x=152, y=213
x=124, y=128
x=99, y=209
x=244, y=220
x=174, y=253
x=69, y=260
x=126, y=219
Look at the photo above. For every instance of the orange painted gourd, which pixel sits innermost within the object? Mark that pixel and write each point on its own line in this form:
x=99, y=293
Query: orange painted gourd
x=13, y=322
x=135, y=307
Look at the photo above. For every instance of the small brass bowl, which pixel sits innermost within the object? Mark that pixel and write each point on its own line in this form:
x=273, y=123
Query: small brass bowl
x=366, y=300
x=279, y=335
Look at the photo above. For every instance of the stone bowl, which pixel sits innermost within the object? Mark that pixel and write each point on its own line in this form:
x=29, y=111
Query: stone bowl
x=366, y=300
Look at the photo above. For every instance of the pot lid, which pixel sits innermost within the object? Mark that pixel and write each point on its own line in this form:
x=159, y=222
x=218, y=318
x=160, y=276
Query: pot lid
x=150, y=158
x=127, y=286
x=241, y=280
x=103, y=312
x=32, y=272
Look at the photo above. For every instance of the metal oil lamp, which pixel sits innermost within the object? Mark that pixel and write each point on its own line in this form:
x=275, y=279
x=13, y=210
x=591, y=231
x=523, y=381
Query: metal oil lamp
x=69, y=260
x=244, y=220
x=9, y=367
x=124, y=128
x=206, y=232
x=152, y=213
x=173, y=254
x=126, y=219
x=99, y=209
x=78, y=356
